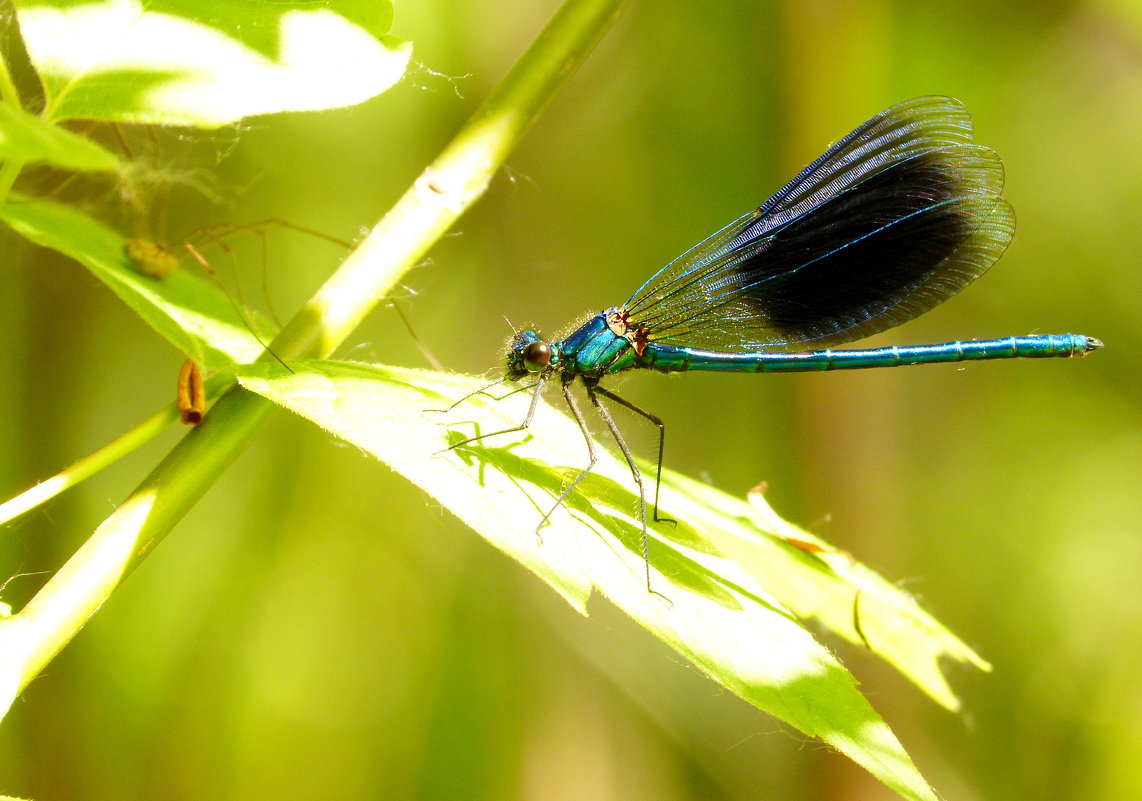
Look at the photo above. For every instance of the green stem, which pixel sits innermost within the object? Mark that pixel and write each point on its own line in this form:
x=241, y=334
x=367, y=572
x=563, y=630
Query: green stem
x=427, y=210
x=110, y=453
x=8, y=91
x=88, y=465
x=9, y=171
x=452, y=183
x=8, y=94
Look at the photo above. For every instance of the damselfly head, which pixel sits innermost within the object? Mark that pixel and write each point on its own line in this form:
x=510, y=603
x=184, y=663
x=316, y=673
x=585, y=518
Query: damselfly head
x=527, y=354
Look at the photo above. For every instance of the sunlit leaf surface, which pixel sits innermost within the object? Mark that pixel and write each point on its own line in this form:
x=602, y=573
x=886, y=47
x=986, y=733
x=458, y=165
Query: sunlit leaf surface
x=181, y=62
x=193, y=314
x=723, y=615
x=30, y=139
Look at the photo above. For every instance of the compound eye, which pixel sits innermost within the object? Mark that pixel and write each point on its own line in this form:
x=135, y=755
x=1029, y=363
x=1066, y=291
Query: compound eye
x=536, y=356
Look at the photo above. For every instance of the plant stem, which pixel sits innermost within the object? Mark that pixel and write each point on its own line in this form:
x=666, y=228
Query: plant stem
x=9, y=171
x=110, y=453
x=427, y=210
x=8, y=91
x=452, y=183
x=88, y=465
x=9, y=95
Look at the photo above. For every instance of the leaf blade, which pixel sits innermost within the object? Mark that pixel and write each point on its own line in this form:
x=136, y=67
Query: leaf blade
x=720, y=617
x=30, y=139
x=181, y=62
x=195, y=316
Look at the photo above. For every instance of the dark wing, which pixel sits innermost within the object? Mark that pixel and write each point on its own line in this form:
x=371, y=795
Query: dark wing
x=892, y=220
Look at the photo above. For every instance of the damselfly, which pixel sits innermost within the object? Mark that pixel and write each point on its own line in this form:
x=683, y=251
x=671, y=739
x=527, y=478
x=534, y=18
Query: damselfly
x=893, y=219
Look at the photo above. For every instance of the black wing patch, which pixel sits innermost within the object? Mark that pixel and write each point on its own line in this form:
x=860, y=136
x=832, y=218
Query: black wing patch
x=892, y=220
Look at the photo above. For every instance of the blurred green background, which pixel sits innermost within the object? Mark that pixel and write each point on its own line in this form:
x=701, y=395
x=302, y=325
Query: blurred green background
x=317, y=628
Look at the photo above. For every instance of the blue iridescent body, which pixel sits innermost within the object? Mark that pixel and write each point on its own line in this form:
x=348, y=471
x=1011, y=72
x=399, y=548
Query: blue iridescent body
x=595, y=350
x=892, y=220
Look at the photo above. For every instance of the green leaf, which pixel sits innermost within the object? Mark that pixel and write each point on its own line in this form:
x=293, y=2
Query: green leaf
x=816, y=581
x=30, y=139
x=193, y=314
x=203, y=63
x=741, y=631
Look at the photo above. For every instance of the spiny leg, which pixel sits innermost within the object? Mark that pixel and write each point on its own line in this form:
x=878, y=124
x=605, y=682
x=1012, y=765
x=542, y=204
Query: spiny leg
x=593, y=393
x=484, y=391
x=507, y=395
x=521, y=427
x=661, y=443
x=481, y=391
x=594, y=457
